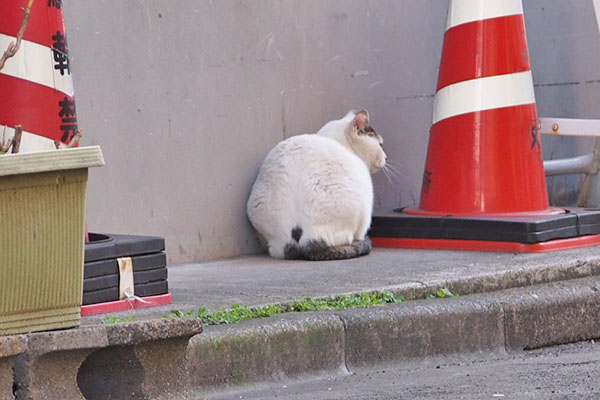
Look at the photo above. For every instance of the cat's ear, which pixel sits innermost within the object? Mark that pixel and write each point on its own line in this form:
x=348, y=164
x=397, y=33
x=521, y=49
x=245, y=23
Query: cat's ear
x=361, y=120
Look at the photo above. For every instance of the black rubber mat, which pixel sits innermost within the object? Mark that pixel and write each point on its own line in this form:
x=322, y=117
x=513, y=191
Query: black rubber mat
x=108, y=281
x=152, y=289
x=108, y=267
x=112, y=294
x=101, y=268
x=101, y=296
x=574, y=222
x=100, y=282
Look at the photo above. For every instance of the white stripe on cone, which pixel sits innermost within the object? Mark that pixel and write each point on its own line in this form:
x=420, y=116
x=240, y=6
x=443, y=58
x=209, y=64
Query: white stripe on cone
x=463, y=11
x=483, y=94
x=29, y=142
x=35, y=63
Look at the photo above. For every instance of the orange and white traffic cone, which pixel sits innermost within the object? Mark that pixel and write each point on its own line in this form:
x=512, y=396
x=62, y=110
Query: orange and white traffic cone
x=484, y=186
x=37, y=87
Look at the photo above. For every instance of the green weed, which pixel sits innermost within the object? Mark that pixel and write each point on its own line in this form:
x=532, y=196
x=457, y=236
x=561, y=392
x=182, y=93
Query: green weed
x=238, y=313
x=441, y=293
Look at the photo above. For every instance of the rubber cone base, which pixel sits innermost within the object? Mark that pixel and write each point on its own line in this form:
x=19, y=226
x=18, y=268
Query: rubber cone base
x=577, y=227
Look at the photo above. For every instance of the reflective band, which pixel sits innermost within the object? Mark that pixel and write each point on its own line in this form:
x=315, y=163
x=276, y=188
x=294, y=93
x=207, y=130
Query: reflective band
x=35, y=63
x=483, y=94
x=463, y=11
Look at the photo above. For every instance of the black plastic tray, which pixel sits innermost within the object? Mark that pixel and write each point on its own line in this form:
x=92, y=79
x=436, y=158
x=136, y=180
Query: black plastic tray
x=111, y=266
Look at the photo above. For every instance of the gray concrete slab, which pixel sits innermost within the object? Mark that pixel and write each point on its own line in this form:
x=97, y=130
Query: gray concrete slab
x=259, y=280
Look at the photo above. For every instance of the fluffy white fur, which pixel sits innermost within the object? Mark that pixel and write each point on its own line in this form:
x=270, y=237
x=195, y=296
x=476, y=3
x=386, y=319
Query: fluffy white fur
x=320, y=183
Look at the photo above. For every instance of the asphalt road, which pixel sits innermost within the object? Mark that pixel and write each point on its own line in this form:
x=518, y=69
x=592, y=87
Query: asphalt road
x=563, y=372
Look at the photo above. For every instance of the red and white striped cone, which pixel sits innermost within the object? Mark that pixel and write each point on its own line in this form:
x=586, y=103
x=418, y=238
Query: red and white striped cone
x=37, y=87
x=484, y=154
x=484, y=186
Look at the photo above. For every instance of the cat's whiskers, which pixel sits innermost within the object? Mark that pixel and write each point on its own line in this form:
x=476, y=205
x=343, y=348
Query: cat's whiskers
x=386, y=173
x=396, y=165
x=392, y=171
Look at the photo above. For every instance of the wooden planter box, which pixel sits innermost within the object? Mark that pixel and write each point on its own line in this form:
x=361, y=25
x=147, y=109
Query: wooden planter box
x=42, y=212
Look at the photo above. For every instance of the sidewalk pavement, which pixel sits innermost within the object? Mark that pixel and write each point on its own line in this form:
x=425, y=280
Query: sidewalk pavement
x=507, y=302
x=260, y=280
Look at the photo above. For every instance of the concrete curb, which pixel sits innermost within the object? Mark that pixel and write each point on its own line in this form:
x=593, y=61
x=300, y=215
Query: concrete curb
x=496, y=281
x=551, y=314
x=10, y=348
x=290, y=345
x=144, y=357
x=422, y=329
x=266, y=349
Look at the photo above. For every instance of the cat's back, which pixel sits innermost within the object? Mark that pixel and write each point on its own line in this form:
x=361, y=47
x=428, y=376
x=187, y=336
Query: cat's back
x=307, y=154
x=306, y=147
x=302, y=172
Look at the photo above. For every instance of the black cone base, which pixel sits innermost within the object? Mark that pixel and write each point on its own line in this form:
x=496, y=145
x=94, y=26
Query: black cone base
x=534, y=233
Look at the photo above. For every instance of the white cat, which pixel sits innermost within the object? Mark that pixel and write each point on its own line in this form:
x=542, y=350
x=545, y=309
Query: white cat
x=313, y=196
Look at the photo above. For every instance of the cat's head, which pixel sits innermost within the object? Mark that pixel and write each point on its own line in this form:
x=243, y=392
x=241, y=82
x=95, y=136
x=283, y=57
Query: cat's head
x=363, y=140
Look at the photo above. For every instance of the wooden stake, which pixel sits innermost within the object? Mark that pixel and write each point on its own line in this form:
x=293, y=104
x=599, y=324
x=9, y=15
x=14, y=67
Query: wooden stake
x=16, y=141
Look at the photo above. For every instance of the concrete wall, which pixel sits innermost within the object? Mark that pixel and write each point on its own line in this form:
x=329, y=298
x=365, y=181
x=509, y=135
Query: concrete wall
x=186, y=97
x=564, y=43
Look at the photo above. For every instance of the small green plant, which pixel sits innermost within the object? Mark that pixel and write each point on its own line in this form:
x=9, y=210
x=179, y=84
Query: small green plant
x=182, y=314
x=113, y=319
x=441, y=293
x=359, y=300
x=238, y=313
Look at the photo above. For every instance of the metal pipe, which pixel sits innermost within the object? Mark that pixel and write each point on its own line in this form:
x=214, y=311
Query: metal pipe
x=570, y=126
x=574, y=165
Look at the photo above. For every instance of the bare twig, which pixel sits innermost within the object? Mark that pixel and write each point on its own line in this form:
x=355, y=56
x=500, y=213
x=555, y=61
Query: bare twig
x=16, y=140
x=75, y=139
x=3, y=140
x=14, y=46
x=5, y=146
x=72, y=143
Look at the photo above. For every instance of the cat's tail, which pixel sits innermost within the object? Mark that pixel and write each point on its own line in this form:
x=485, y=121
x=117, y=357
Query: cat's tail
x=318, y=250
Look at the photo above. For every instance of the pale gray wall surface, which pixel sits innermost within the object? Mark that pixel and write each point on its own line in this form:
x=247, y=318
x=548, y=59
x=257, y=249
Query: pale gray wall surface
x=186, y=97
x=564, y=45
